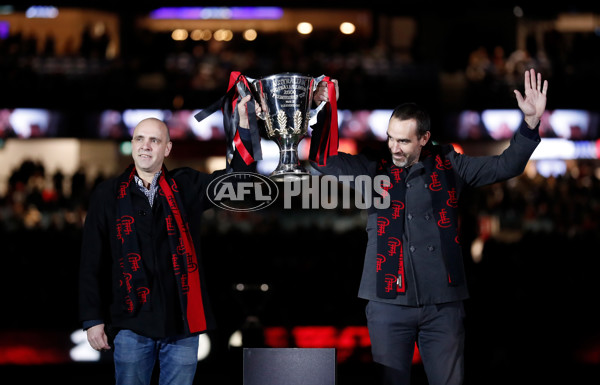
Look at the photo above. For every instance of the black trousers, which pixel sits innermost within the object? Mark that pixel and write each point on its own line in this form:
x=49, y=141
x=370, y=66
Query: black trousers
x=438, y=331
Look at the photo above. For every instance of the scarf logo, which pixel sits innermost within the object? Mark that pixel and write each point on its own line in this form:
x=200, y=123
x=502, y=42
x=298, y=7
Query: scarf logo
x=191, y=265
x=124, y=226
x=170, y=225
x=181, y=250
x=185, y=288
x=381, y=164
x=129, y=304
x=142, y=294
x=380, y=259
x=386, y=185
x=444, y=220
x=435, y=184
x=123, y=190
x=396, y=171
x=393, y=244
x=176, y=267
x=382, y=223
x=134, y=260
x=452, y=200
x=173, y=204
x=396, y=207
x=390, y=280
x=127, y=277
x=445, y=165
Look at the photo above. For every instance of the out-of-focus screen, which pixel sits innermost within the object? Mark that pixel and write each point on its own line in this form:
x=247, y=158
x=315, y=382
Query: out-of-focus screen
x=501, y=124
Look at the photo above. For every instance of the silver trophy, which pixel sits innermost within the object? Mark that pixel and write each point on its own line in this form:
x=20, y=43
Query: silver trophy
x=285, y=100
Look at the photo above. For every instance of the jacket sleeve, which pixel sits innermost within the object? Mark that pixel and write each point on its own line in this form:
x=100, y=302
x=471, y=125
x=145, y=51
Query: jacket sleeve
x=342, y=163
x=95, y=261
x=484, y=170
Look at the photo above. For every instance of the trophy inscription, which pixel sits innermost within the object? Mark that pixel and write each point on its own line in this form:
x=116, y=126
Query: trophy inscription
x=285, y=101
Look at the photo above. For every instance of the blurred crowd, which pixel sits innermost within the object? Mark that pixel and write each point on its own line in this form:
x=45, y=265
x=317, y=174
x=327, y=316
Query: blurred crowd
x=155, y=71
x=567, y=205
x=35, y=200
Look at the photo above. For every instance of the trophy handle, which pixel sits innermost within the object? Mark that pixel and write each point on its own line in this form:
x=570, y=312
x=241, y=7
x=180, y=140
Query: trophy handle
x=317, y=80
x=244, y=91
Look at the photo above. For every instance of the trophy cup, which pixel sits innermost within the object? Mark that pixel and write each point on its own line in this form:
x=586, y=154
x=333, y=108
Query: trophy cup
x=285, y=101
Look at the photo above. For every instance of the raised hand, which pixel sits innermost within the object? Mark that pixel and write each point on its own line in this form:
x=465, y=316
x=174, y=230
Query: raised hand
x=533, y=104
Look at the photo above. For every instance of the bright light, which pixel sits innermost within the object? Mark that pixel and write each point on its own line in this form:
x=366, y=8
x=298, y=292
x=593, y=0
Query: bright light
x=218, y=13
x=41, y=12
x=236, y=339
x=204, y=346
x=215, y=13
x=570, y=124
x=201, y=34
x=551, y=167
x=477, y=249
x=554, y=148
x=125, y=148
x=82, y=350
x=501, y=124
x=250, y=34
x=23, y=119
x=132, y=117
x=304, y=28
x=347, y=28
x=223, y=35
x=458, y=148
x=179, y=34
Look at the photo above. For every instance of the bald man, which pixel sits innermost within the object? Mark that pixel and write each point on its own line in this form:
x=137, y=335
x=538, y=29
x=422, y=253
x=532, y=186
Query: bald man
x=142, y=292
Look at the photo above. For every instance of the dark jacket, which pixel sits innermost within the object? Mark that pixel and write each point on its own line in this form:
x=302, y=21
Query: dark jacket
x=425, y=270
x=99, y=298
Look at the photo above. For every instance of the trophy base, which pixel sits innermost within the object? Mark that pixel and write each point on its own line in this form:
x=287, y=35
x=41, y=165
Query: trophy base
x=284, y=174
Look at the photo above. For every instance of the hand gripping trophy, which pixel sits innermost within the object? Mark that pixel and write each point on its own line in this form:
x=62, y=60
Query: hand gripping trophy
x=285, y=102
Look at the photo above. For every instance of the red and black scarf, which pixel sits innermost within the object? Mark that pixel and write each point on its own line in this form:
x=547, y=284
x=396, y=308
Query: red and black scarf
x=134, y=281
x=228, y=105
x=391, y=277
x=327, y=138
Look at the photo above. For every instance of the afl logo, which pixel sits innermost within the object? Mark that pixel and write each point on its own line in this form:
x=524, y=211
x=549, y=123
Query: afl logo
x=242, y=191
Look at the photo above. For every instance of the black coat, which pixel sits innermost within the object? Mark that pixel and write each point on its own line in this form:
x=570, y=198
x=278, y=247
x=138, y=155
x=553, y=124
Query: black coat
x=99, y=298
x=426, y=274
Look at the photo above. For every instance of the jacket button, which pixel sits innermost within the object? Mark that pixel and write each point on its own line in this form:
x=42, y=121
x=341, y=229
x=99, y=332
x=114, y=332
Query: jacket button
x=430, y=248
x=412, y=249
x=142, y=212
x=409, y=216
x=427, y=216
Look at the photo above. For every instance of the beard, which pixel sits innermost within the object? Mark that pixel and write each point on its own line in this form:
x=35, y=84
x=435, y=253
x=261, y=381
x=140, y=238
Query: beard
x=404, y=161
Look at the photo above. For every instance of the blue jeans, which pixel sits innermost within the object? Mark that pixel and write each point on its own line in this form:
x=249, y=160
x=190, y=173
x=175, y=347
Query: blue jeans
x=135, y=356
